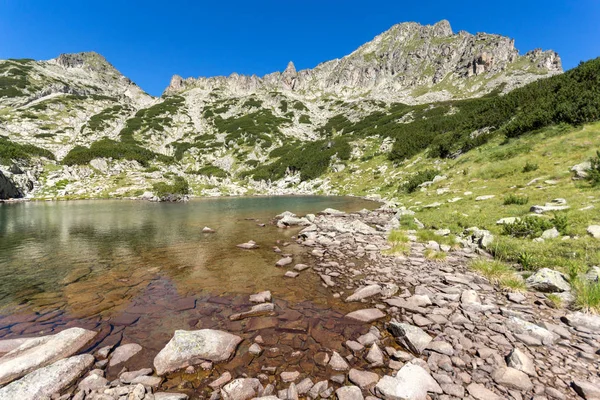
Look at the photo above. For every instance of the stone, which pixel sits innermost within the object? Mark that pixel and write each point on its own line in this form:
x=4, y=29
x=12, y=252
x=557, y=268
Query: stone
x=192, y=347
x=349, y=393
x=363, y=379
x=519, y=326
x=486, y=197
x=375, y=355
x=261, y=297
x=550, y=233
x=220, y=381
x=469, y=297
x=411, y=383
x=512, y=379
x=301, y=267
x=92, y=382
x=366, y=315
x=284, y=261
x=148, y=381
x=480, y=392
x=580, y=320
x=518, y=360
x=594, y=231
x=40, y=352
x=124, y=353
x=241, y=389
x=337, y=363
x=127, y=377
x=586, y=390
x=441, y=347
x=317, y=389
x=290, y=376
x=46, y=381
x=304, y=386
x=248, y=245
x=292, y=392
x=170, y=396
x=549, y=281
x=206, y=229
x=364, y=292
x=255, y=311
x=411, y=337
x=291, y=274
x=255, y=349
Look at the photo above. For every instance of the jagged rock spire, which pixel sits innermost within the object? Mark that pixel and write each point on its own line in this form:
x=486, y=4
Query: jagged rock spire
x=289, y=76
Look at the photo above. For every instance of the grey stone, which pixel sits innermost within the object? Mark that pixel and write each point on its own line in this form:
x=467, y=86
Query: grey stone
x=192, y=347
x=512, y=379
x=411, y=337
x=349, y=393
x=548, y=280
x=241, y=389
x=411, y=383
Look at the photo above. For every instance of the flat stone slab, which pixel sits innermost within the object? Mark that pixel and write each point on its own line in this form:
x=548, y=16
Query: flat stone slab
x=411, y=383
x=411, y=337
x=192, y=347
x=124, y=353
x=366, y=315
x=48, y=380
x=364, y=292
x=40, y=352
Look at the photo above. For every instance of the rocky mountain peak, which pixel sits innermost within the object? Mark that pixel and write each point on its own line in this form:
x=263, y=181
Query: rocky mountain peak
x=288, y=78
x=87, y=60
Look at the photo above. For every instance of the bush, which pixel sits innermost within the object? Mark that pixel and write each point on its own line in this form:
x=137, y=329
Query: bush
x=561, y=223
x=531, y=227
x=594, y=173
x=212, y=170
x=418, y=179
x=515, y=199
x=179, y=187
x=10, y=150
x=530, y=167
x=107, y=148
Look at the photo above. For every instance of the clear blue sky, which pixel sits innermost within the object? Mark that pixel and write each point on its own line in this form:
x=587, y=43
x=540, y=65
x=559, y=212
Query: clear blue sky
x=149, y=41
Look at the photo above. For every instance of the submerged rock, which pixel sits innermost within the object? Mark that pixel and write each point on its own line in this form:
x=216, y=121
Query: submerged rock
x=124, y=353
x=242, y=389
x=192, y=347
x=42, y=351
x=366, y=315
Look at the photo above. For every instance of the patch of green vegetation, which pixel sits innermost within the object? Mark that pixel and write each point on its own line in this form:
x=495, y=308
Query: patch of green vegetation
x=99, y=122
x=498, y=273
x=310, y=159
x=515, y=199
x=155, y=117
x=587, y=295
x=283, y=106
x=179, y=187
x=298, y=105
x=256, y=127
x=107, y=148
x=593, y=175
x=211, y=170
x=10, y=150
x=417, y=179
x=45, y=135
x=252, y=102
x=425, y=236
x=304, y=119
x=529, y=167
x=527, y=227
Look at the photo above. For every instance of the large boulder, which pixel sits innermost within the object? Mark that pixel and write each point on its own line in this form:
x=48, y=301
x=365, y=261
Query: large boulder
x=411, y=383
x=193, y=347
x=42, y=351
x=549, y=281
x=46, y=381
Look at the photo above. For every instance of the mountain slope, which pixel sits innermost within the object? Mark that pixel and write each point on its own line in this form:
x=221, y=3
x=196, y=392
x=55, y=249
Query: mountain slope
x=240, y=134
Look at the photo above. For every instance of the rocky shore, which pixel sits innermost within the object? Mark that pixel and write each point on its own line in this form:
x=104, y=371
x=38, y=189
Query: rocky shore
x=423, y=328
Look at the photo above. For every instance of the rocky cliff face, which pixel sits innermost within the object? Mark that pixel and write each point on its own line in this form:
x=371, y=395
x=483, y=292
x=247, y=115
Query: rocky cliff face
x=403, y=64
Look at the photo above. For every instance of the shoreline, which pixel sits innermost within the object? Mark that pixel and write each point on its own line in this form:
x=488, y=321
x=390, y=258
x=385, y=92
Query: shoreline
x=433, y=326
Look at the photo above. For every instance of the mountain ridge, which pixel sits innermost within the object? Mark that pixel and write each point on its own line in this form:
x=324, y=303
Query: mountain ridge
x=389, y=54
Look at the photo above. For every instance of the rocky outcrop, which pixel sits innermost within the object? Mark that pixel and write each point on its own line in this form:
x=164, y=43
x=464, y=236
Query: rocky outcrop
x=8, y=190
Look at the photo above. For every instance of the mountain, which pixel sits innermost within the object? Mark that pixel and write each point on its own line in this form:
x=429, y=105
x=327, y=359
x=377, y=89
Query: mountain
x=74, y=126
x=410, y=63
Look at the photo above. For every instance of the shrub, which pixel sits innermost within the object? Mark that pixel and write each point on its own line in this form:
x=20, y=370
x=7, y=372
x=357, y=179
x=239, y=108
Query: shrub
x=179, y=187
x=594, y=173
x=530, y=167
x=527, y=261
x=419, y=178
x=531, y=227
x=107, y=148
x=10, y=150
x=561, y=223
x=212, y=170
x=515, y=199
x=304, y=119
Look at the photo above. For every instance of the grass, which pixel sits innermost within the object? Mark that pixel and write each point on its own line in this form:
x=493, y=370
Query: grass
x=499, y=273
x=555, y=300
x=397, y=236
x=515, y=199
x=587, y=295
x=425, y=236
x=434, y=255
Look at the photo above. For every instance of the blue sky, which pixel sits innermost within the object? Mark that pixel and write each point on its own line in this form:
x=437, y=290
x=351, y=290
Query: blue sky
x=149, y=41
